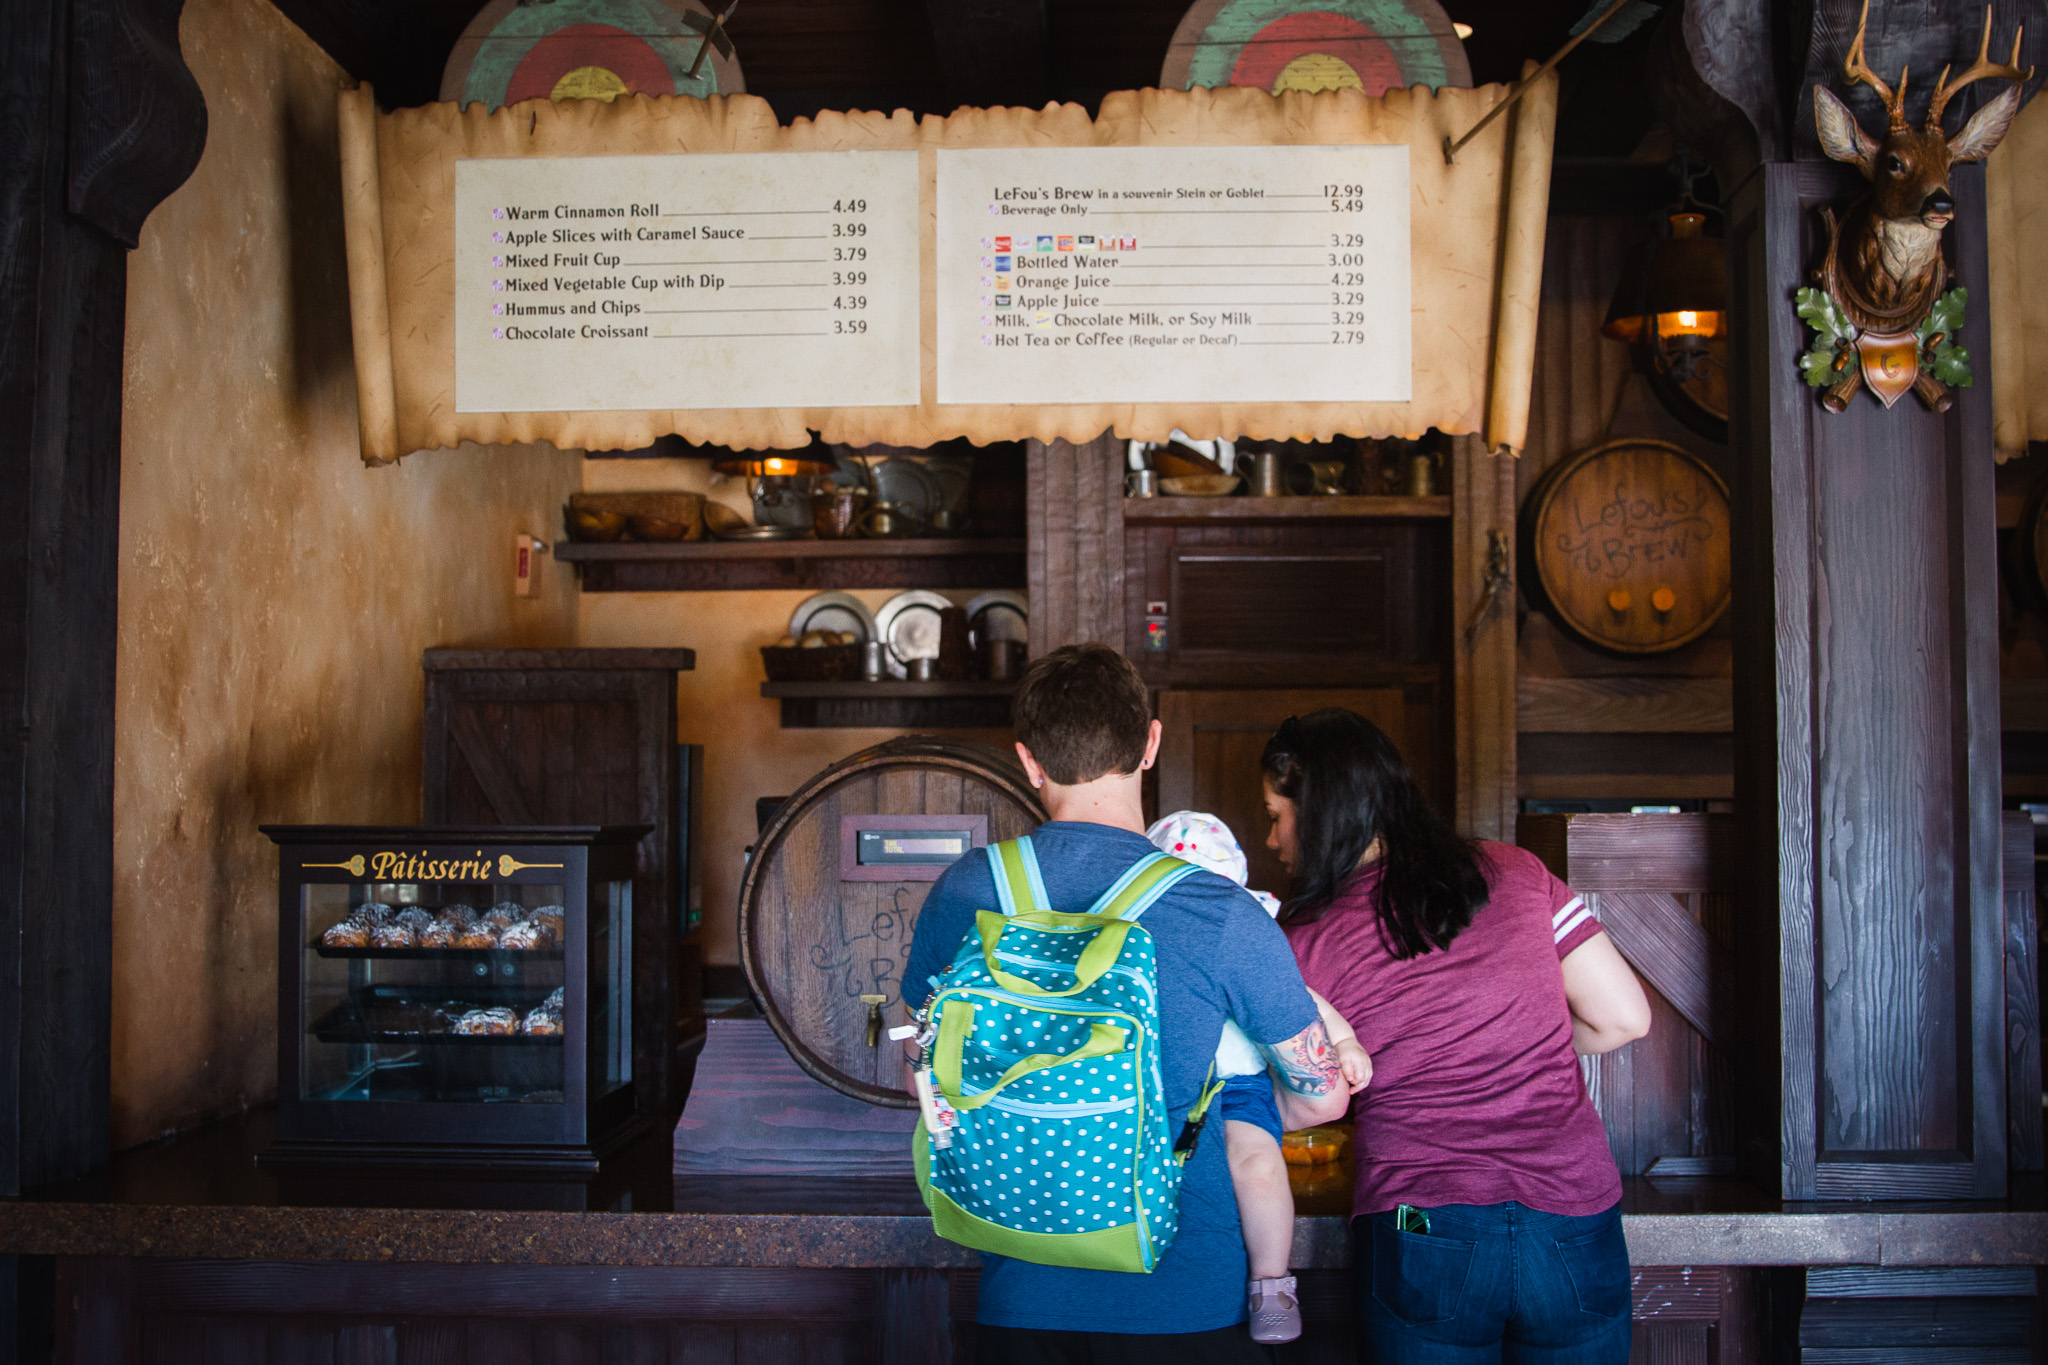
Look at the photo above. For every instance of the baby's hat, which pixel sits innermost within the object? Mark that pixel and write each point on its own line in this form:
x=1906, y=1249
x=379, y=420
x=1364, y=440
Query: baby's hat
x=1203, y=840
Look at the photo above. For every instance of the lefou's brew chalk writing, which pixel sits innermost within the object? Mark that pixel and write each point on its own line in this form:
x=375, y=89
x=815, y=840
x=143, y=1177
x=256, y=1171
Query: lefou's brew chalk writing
x=1174, y=274
x=750, y=280
x=1625, y=529
x=869, y=962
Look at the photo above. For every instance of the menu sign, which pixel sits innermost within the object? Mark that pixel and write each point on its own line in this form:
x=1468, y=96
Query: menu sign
x=1173, y=275
x=745, y=280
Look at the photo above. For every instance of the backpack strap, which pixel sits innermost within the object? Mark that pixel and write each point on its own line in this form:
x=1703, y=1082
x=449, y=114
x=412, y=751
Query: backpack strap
x=1019, y=885
x=1148, y=879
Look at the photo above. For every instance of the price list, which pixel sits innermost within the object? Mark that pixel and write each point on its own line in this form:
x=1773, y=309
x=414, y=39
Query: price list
x=1173, y=275
x=704, y=281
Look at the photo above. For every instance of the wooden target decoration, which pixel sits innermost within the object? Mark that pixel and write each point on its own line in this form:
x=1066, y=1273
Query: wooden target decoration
x=1631, y=546
x=1371, y=46
x=586, y=49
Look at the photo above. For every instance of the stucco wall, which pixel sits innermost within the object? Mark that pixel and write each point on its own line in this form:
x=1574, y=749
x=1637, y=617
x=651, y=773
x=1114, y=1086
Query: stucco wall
x=275, y=595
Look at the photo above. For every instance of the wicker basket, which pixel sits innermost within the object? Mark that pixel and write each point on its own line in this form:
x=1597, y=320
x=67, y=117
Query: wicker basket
x=825, y=663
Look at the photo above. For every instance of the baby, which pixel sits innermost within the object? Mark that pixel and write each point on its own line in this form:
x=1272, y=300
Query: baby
x=1251, y=1118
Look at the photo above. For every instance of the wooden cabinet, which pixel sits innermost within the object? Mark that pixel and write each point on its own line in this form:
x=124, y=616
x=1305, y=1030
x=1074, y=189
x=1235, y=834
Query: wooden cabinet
x=584, y=736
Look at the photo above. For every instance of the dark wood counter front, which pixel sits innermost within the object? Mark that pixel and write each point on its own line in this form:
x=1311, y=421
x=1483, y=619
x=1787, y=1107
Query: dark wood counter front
x=187, y=1244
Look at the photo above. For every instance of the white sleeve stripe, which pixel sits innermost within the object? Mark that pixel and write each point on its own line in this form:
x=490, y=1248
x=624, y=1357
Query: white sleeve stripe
x=1568, y=909
x=1564, y=931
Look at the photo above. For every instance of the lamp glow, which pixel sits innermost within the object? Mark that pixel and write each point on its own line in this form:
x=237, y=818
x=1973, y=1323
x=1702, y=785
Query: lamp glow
x=1463, y=31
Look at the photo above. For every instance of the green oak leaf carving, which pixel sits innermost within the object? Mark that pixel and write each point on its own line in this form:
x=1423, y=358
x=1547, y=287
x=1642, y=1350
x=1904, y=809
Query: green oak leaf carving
x=1831, y=325
x=1944, y=359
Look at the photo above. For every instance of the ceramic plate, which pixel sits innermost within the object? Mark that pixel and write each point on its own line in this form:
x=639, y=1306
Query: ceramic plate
x=909, y=624
x=1008, y=616
x=833, y=611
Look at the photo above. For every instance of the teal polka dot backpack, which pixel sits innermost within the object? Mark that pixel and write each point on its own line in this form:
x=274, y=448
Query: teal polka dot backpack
x=1044, y=1129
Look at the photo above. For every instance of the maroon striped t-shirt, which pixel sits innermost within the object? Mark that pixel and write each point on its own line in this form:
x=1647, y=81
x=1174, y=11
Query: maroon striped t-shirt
x=1476, y=1094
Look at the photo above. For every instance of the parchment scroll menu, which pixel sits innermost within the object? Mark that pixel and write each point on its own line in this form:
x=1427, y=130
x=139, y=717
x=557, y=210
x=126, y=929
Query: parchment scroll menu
x=1174, y=275
x=1473, y=260
x=754, y=280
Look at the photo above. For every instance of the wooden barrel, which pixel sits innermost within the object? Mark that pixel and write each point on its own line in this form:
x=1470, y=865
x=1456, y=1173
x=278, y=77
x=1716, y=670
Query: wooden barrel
x=831, y=896
x=1630, y=543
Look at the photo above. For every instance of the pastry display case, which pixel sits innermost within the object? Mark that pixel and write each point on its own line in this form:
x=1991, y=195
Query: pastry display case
x=454, y=995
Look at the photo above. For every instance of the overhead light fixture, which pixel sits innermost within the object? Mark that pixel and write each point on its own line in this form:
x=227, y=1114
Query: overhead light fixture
x=779, y=481
x=1672, y=297
x=1463, y=31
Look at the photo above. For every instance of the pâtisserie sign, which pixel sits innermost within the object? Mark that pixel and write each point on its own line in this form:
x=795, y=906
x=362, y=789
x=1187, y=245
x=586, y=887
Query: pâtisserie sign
x=395, y=865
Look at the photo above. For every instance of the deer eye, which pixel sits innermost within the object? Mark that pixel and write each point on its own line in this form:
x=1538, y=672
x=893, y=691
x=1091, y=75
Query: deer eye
x=1894, y=166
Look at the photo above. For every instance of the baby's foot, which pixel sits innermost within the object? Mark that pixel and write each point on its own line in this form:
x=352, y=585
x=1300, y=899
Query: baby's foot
x=1275, y=1310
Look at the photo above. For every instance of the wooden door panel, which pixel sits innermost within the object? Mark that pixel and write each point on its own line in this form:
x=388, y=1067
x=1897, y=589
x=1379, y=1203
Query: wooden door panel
x=1209, y=754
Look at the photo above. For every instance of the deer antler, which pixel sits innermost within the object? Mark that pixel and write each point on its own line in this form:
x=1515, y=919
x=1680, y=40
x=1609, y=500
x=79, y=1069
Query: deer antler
x=1979, y=69
x=1857, y=70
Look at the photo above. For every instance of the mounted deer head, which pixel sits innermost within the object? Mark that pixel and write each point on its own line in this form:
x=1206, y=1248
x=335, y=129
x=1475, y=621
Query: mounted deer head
x=1879, y=307
x=1908, y=168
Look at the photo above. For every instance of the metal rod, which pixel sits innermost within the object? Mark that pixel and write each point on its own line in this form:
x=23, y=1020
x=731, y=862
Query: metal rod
x=1451, y=149
x=717, y=23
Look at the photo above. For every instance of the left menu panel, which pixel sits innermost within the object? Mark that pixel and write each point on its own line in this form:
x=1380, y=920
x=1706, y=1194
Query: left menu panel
x=753, y=280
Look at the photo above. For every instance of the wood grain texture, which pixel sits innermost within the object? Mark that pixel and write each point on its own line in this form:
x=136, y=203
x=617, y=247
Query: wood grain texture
x=1655, y=881
x=103, y=120
x=697, y=566
x=1867, y=692
x=1482, y=642
x=528, y=737
x=1624, y=705
x=1663, y=943
x=813, y=944
x=1209, y=756
x=1362, y=507
x=1075, y=543
x=2022, y=996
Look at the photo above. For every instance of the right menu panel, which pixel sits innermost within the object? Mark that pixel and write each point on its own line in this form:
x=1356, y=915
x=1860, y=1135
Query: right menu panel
x=1173, y=274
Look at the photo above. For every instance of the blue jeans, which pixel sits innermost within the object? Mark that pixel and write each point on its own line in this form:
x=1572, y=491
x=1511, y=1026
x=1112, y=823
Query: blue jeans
x=1492, y=1282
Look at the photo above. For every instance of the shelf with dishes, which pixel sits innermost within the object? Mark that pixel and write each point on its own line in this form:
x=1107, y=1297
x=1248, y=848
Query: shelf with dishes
x=826, y=517
x=920, y=660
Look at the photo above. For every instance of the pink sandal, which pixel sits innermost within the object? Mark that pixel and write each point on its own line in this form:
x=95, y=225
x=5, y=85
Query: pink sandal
x=1275, y=1310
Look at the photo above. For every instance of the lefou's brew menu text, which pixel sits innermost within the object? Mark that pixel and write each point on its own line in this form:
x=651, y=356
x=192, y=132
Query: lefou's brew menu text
x=1064, y=275
x=1173, y=275
x=751, y=280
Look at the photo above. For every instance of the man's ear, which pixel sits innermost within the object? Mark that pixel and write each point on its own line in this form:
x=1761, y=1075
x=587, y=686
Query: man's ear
x=1032, y=769
x=1152, y=737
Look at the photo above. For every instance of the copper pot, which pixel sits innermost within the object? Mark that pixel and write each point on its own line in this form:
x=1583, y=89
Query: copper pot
x=835, y=512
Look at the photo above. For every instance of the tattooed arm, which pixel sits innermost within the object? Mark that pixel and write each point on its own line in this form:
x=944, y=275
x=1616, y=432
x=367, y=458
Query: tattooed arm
x=1308, y=1083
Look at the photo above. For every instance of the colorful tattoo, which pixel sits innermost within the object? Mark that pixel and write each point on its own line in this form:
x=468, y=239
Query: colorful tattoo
x=1306, y=1063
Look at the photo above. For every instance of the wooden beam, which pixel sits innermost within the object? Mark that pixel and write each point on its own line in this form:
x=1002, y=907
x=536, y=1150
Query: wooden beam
x=103, y=120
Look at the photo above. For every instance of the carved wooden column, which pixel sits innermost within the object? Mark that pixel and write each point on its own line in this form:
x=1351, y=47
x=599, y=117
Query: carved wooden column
x=1866, y=719
x=102, y=121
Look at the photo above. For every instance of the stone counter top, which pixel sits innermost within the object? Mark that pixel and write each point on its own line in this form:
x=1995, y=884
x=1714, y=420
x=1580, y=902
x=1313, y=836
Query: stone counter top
x=201, y=1197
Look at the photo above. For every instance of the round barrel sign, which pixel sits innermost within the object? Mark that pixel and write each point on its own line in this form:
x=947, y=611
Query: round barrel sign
x=1630, y=541
x=832, y=894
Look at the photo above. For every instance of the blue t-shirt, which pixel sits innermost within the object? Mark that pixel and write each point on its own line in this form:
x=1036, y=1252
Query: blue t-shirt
x=1220, y=956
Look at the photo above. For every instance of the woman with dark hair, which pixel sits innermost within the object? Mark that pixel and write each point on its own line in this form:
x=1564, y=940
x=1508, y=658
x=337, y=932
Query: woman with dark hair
x=1486, y=1224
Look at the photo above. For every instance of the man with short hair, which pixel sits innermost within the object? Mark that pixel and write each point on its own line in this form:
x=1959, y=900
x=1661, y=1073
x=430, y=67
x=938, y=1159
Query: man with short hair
x=1085, y=734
